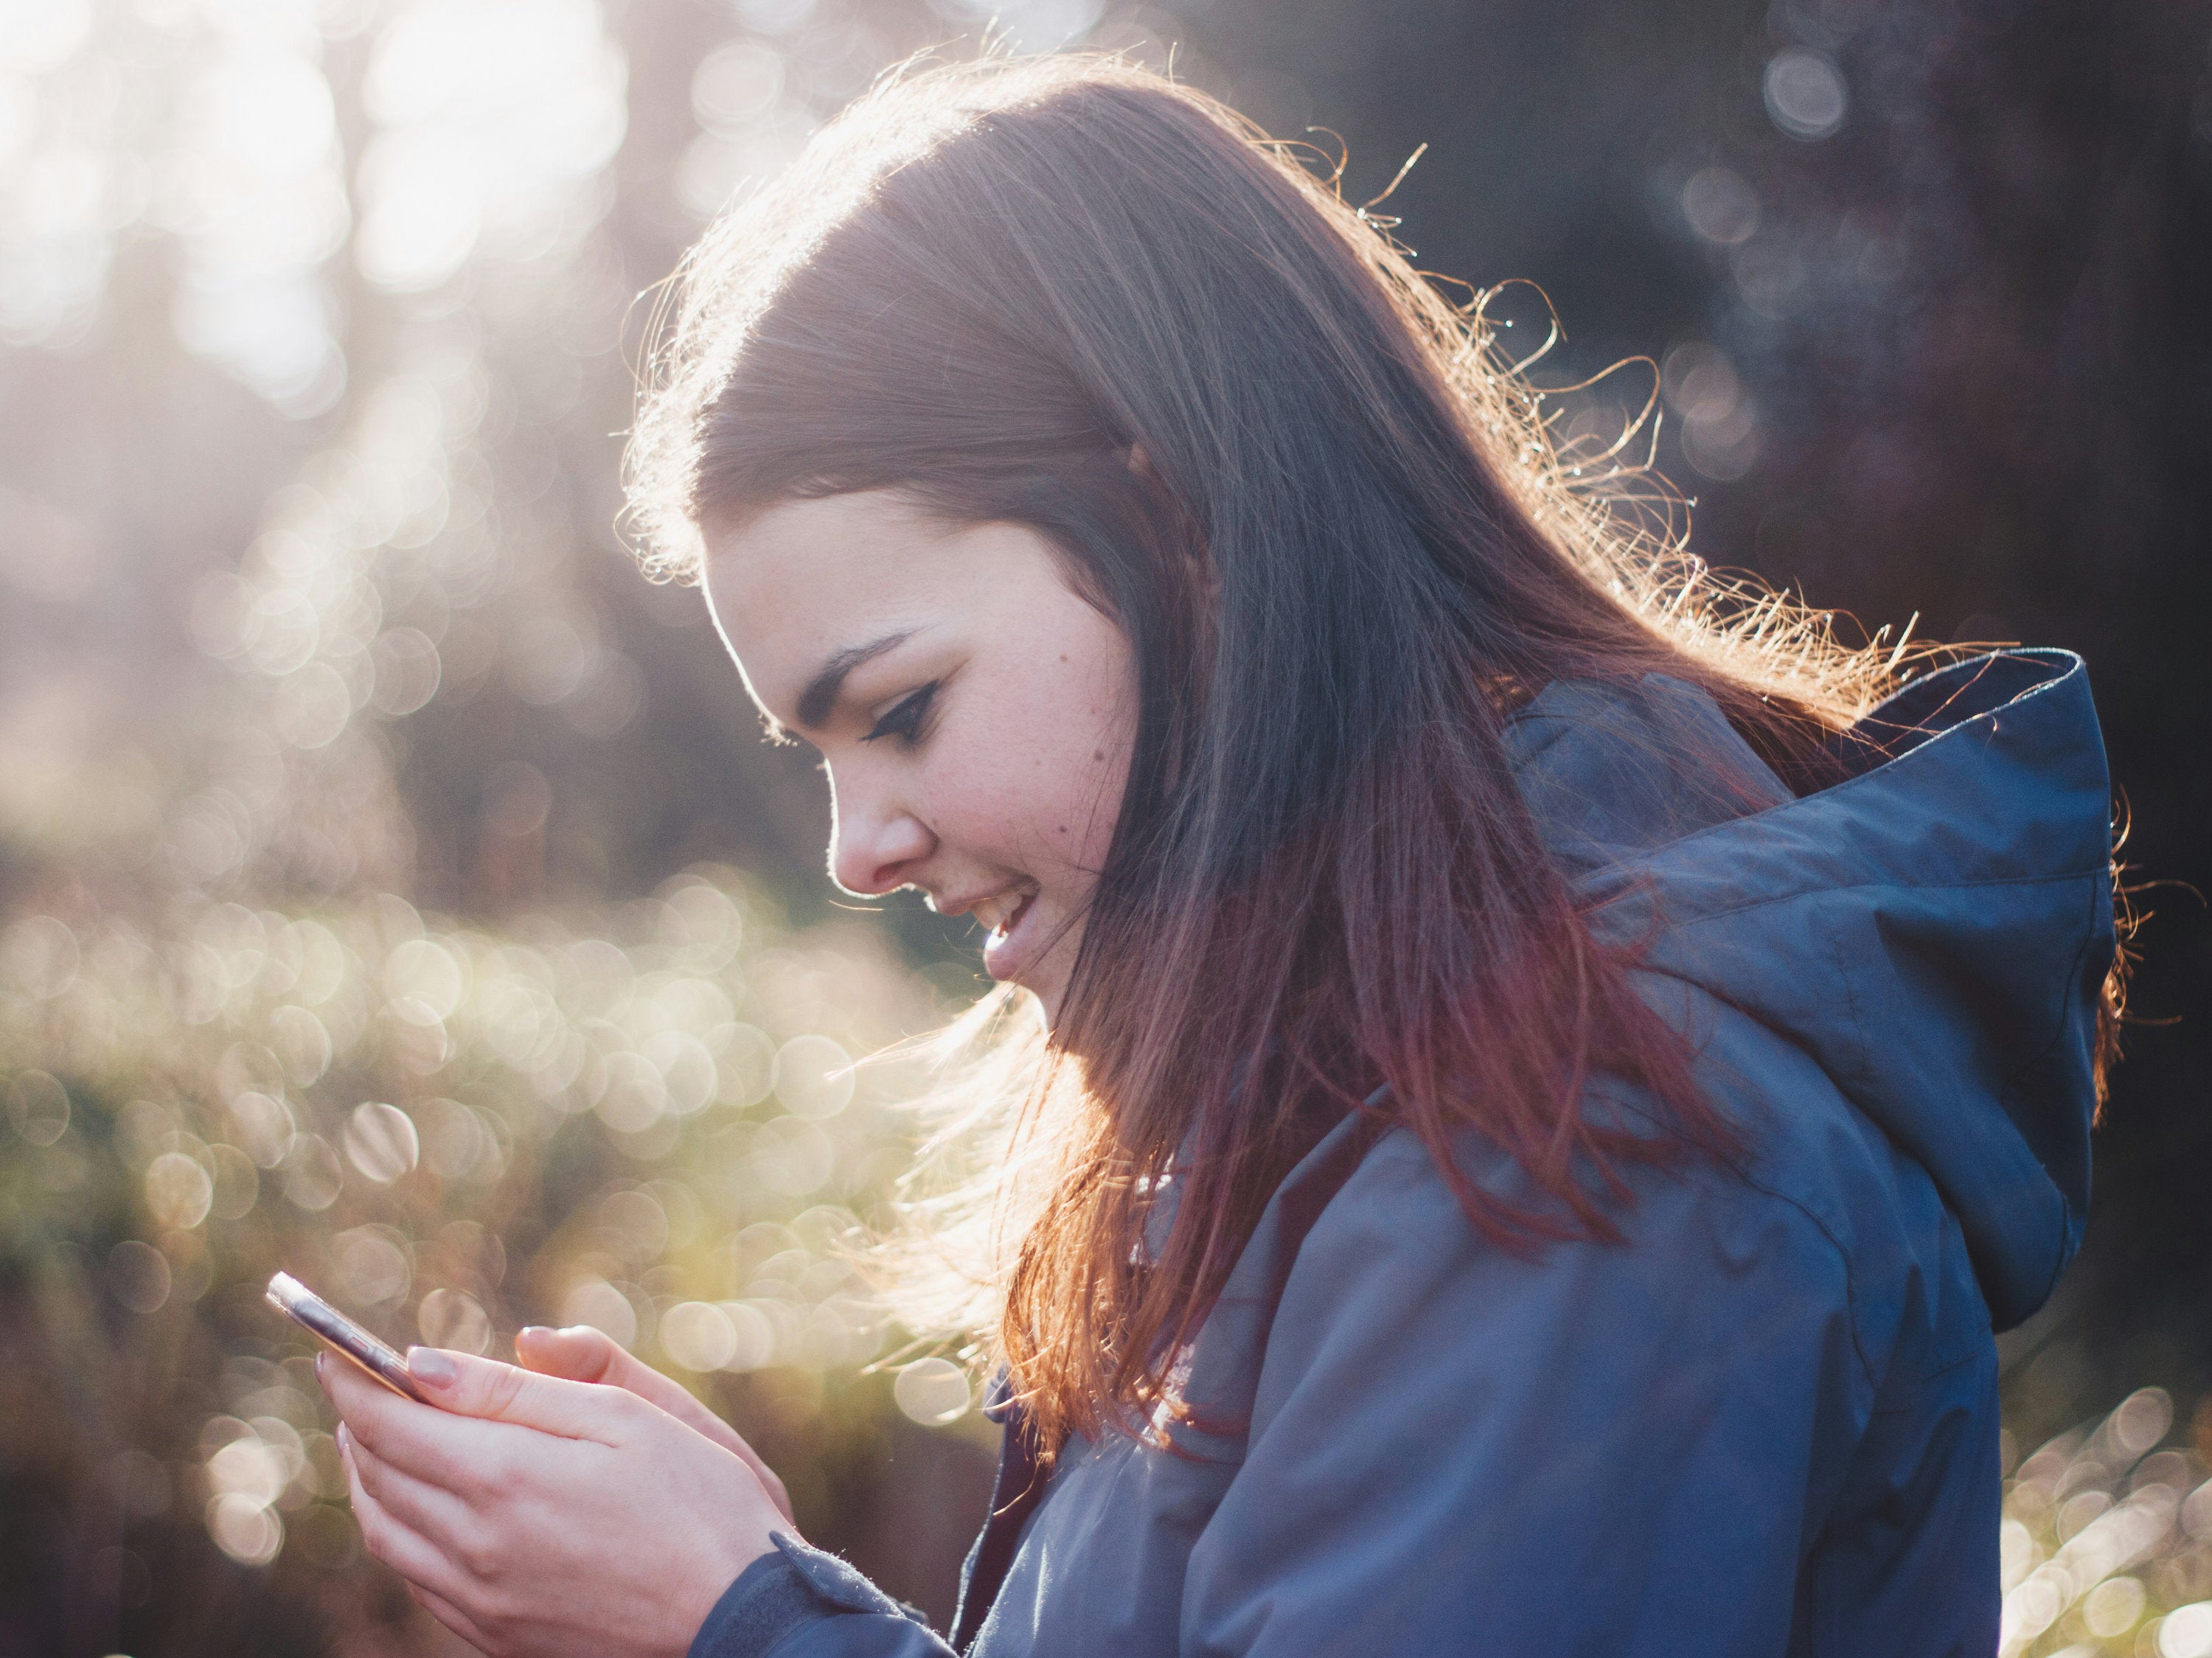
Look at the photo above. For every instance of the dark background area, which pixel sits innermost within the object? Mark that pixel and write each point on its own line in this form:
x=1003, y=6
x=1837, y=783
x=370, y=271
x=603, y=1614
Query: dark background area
x=1989, y=403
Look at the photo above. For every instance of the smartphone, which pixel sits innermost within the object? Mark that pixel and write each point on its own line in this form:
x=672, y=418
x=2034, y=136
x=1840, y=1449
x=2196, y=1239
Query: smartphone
x=309, y=1310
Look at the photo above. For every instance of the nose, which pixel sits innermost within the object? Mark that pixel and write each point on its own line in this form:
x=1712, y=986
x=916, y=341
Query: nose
x=874, y=845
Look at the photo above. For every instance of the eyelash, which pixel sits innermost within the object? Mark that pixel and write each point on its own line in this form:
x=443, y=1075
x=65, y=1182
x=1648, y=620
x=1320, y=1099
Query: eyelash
x=903, y=719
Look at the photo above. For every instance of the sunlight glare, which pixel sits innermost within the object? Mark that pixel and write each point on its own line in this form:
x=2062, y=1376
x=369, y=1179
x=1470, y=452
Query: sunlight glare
x=492, y=113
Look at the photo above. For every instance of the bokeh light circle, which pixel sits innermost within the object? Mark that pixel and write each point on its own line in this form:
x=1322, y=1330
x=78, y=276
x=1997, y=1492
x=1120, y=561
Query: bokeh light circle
x=599, y=1304
x=138, y=1275
x=381, y=1141
x=813, y=1077
x=698, y=1335
x=178, y=1190
x=243, y=1529
x=933, y=1392
x=452, y=1319
x=1805, y=94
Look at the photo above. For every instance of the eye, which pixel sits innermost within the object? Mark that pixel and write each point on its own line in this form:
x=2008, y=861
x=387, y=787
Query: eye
x=902, y=720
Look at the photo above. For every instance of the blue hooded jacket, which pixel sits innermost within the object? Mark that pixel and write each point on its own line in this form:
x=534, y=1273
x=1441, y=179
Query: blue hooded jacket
x=1767, y=1422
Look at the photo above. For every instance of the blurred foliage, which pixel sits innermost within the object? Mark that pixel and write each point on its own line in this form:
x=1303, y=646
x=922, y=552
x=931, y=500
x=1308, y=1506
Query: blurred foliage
x=664, y=1135
x=392, y=888
x=2106, y=1545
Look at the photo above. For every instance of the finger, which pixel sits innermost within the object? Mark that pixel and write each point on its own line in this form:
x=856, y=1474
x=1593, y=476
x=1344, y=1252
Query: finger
x=431, y=1511
x=431, y=1443
x=354, y=1392
x=414, y=1557
x=487, y=1390
x=372, y=1410
x=451, y=1615
x=581, y=1353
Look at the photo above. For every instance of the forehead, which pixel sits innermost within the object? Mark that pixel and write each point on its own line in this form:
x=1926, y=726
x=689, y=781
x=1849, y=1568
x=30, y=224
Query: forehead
x=790, y=573
x=862, y=546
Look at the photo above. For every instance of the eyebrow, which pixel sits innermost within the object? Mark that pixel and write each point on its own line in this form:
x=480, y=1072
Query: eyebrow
x=821, y=693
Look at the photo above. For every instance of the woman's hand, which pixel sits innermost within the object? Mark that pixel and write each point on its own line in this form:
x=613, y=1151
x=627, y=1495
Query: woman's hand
x=584, y=1354
x=536, y=1515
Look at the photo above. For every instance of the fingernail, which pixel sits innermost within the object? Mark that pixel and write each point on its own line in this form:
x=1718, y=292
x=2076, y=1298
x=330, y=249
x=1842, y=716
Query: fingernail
x=320, y=1357
x=532, y=1330
x=432, y=1368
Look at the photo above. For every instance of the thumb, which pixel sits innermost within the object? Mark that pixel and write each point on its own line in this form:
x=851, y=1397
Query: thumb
x=583, y=1354
x=485, y=1388
x=580, y=1353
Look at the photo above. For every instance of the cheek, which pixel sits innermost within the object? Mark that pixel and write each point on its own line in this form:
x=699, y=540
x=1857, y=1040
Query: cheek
x=1085, y=756
x=1039, y=786
x=1097, y=774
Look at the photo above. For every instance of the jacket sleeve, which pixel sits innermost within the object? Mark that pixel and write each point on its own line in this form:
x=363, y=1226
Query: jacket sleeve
x=1598, y=1449
x=800, y=1602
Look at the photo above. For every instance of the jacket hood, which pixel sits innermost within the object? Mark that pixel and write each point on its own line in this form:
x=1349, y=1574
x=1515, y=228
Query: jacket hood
x=1934, y=930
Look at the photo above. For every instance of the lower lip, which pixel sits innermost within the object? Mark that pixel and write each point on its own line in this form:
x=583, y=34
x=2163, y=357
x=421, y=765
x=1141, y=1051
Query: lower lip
x=1007, y=951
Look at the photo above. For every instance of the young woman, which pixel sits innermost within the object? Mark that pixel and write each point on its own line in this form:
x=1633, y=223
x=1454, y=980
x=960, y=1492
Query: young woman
x=1547, y=1078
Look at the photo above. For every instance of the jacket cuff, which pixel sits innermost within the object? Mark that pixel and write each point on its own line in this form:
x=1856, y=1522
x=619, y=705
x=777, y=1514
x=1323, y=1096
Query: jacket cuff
x=794, y=1584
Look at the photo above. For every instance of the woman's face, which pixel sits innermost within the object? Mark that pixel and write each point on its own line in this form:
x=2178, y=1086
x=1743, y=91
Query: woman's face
x=975, y=714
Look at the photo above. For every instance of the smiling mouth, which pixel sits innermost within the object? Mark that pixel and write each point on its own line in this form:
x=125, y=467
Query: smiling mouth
x=998, y=915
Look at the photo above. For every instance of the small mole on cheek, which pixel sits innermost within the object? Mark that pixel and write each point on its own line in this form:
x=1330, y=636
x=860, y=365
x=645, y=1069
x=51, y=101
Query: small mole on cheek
x=1063, y=828
x=1063, y=658
x=1098, y=754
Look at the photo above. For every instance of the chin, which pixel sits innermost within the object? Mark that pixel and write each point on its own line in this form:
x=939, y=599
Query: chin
x=1047, y=995
x=1037, y=961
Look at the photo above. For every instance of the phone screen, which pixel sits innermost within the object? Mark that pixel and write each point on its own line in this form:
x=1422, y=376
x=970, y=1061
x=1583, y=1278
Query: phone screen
x=309, y=1310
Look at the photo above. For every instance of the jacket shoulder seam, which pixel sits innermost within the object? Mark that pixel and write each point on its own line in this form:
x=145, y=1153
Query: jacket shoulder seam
x=1843, y=1260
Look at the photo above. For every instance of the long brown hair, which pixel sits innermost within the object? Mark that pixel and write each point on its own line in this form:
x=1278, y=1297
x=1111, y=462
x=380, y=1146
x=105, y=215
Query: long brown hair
x=1070, y=294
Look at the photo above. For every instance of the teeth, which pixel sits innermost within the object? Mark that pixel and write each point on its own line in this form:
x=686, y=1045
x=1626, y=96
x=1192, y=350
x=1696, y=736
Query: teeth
x=996, y=912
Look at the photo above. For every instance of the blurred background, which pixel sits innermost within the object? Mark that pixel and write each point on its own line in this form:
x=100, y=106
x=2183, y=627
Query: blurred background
x=393, y=887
